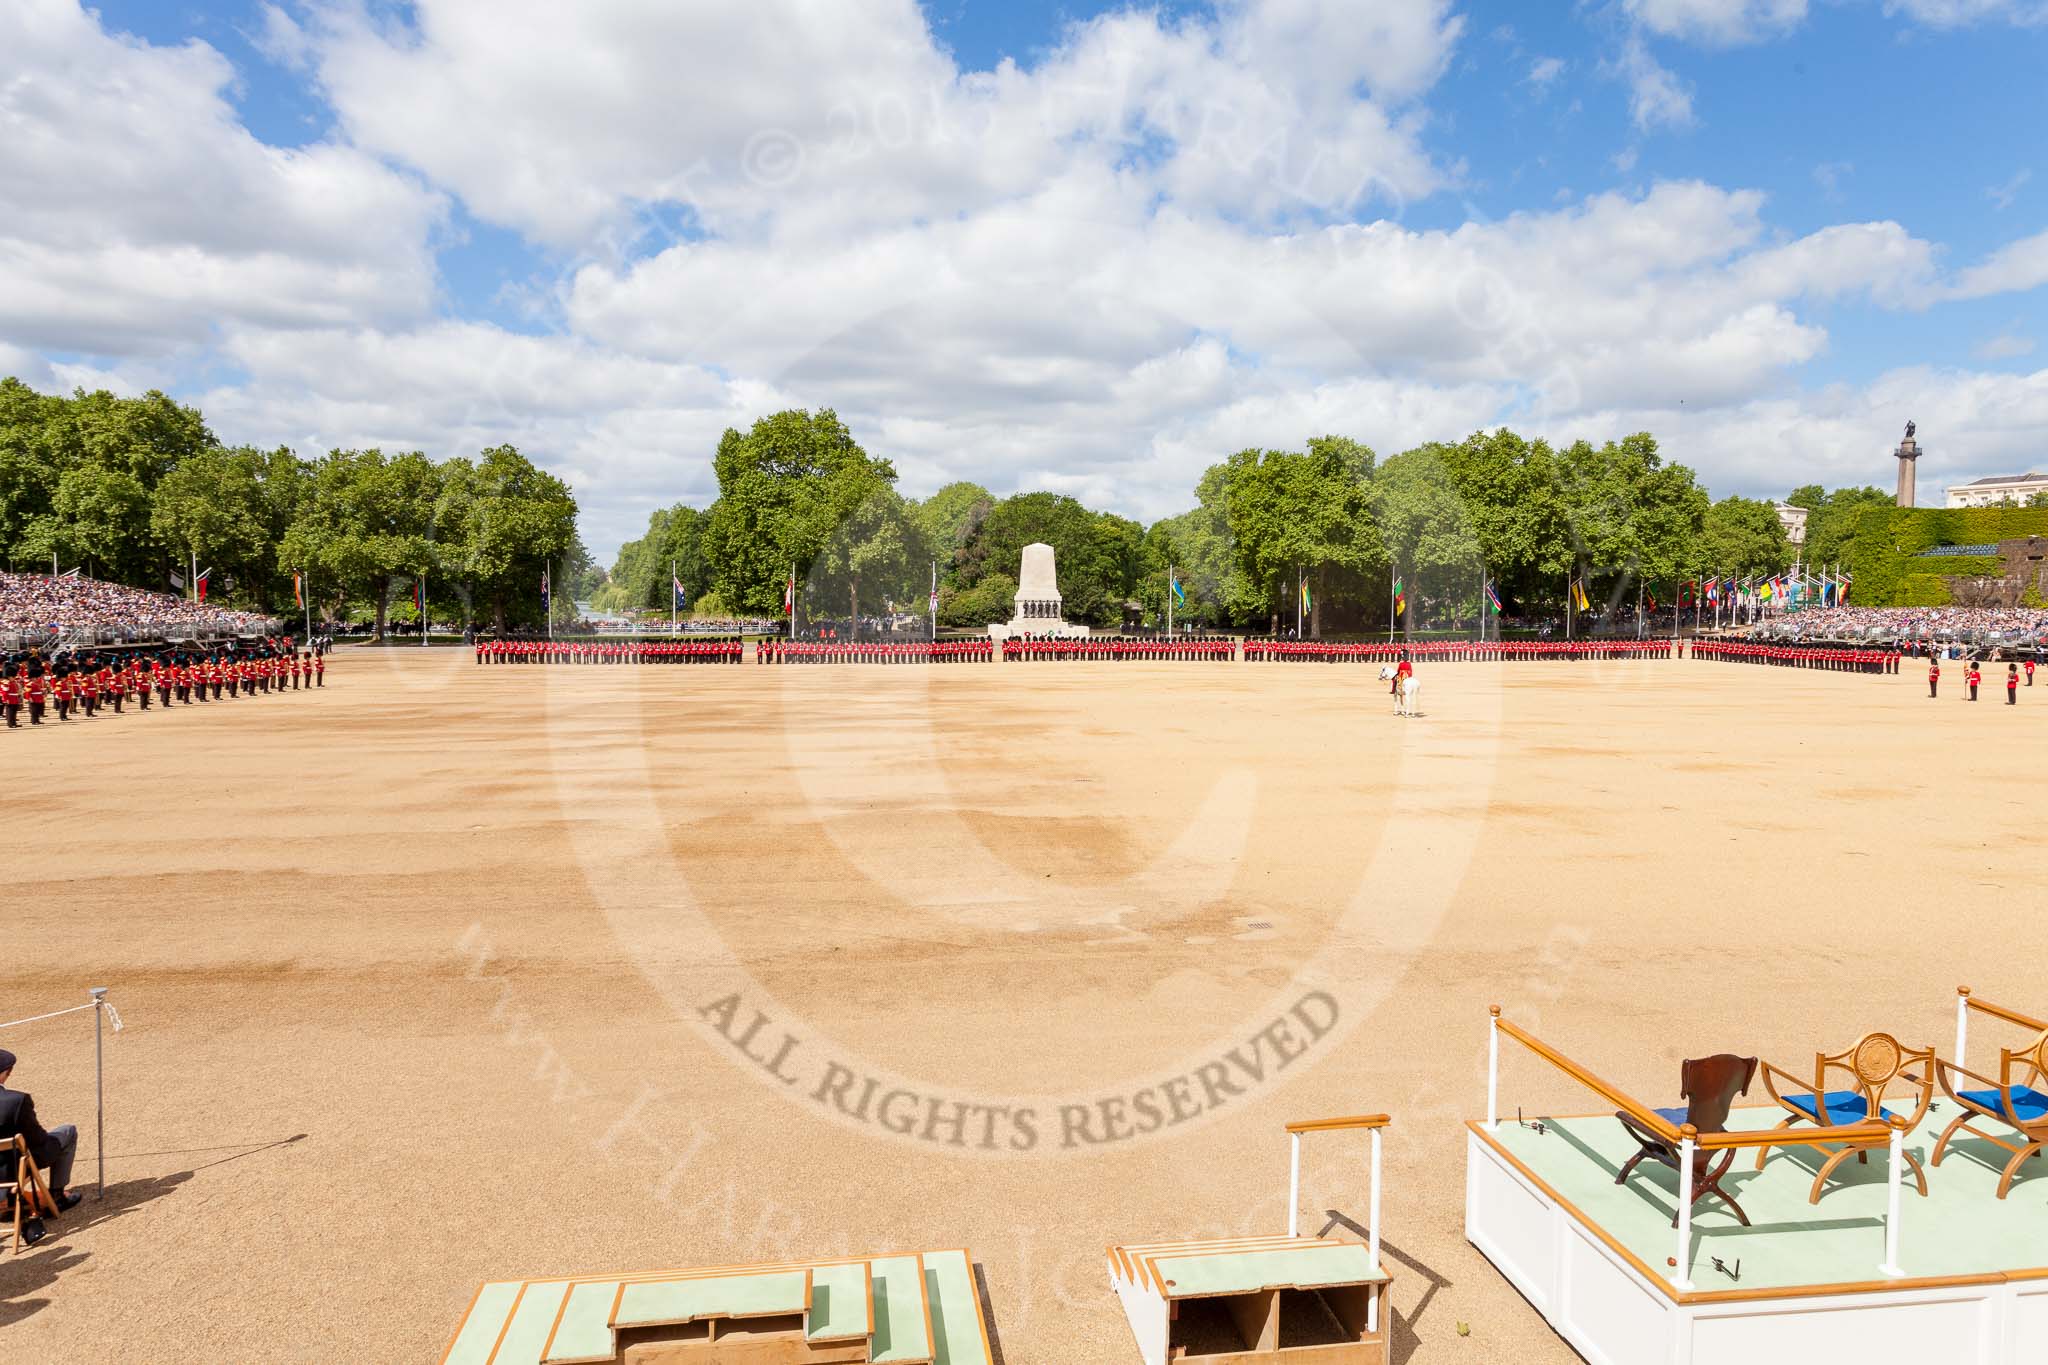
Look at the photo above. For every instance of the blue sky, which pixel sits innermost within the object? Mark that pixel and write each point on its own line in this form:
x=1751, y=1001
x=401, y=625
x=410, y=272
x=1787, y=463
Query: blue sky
x=1763, y=229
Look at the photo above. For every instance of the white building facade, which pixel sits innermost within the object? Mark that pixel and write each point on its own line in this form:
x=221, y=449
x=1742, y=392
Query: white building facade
x=1793, y=519
x=2015, y=489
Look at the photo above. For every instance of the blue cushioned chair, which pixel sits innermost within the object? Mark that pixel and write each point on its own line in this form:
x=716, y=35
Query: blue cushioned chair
x=1873, y=1066
x=2013, y=1101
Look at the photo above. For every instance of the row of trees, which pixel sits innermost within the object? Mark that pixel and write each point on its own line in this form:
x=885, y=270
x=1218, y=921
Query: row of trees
x=134, y=489
x=798, y=492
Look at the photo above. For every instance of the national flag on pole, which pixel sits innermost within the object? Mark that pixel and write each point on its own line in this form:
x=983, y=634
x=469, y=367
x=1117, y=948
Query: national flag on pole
x=1579, y=598
x=1843, y=595
x=1307, y=602
x=202, y=583
x=789, y=595
x=676, y=589
x=1650, y=597
x=1493, y=599
x=1400, y=598
x=1173, y=582
x=298, y=589
x=547, y=595
x=1769, y=589
x=419, y=596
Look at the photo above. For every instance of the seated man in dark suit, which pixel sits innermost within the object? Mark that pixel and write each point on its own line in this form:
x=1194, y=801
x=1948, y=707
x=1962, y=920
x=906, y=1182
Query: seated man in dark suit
x=55, y=1149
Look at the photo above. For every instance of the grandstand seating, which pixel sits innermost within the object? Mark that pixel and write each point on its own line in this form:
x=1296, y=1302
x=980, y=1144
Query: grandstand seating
x=1956, y=551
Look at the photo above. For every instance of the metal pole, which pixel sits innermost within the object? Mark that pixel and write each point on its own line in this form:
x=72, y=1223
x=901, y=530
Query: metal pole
x=192, y=588
x=671, y=598
x=934, y=601
x=99, y=1081
x=1297, y=601
x=423, y=609
x=306, y=597
x=1169, y=601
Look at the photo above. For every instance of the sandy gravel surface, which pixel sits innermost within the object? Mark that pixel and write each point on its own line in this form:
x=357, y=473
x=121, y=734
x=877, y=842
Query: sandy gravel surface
x=445, y=974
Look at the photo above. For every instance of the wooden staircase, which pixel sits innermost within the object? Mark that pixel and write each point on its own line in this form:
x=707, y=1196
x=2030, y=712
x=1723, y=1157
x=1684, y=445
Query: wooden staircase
x=914, y=1308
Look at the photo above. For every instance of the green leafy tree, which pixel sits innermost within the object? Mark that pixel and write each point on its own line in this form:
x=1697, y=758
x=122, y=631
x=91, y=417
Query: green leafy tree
x=212, y=507
x=875, y=551
x=368, y=521
x=1302, y=514
x=1831, y=519
x=498, y=524
x=784, y=489
x=1095, y=556
x=1423, y=518
x=1744, y=536
x=950, y=519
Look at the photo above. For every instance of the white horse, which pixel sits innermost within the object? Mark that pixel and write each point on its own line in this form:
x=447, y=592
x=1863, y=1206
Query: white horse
x=1404, y=699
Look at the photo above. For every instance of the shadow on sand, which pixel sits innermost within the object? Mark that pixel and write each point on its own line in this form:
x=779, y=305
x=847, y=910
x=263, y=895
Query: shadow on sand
x=25, y=1277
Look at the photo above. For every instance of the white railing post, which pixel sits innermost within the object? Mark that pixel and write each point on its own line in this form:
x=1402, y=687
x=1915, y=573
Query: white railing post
x=1681, y=1274
x=1372, y=1238
x=1962, y=1022
x=1492, y=1068
x=1372, y=1214
x=1294, y=1188
x=1894, y=1179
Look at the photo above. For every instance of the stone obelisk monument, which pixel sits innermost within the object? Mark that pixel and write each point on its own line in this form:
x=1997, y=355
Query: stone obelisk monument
x=1908, y=456
x=1038, y=599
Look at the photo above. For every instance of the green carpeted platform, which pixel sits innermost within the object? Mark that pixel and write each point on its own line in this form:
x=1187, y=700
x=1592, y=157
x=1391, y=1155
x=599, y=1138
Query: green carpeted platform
x=1960, y=1228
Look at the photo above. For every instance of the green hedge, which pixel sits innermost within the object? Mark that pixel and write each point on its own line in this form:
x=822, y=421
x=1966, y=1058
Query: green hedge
x=1921, y=590
x=1954, y=566
x=1887, y=537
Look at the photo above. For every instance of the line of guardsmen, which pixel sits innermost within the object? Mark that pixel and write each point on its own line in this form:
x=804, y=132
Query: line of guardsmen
x=608, y=651
x=1117, y=649
x=1451, y=651
x=85, y=683
x=873, y=652
x=1834, y=658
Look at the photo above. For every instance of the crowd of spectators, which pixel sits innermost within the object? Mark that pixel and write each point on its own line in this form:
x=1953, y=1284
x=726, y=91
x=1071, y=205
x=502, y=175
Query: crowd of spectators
x=36, y=608
x=1909, y=623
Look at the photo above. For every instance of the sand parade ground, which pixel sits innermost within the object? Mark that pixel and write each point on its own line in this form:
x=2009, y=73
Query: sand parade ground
x=446, y=974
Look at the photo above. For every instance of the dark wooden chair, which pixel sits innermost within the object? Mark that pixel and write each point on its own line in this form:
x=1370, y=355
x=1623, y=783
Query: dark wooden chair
x=1708, y=1085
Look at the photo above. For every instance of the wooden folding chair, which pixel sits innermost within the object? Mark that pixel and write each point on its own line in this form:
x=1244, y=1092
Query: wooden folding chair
x=2013, y=1100
x=1709, y=1086
x=26, y=1192
x=1873, y=1064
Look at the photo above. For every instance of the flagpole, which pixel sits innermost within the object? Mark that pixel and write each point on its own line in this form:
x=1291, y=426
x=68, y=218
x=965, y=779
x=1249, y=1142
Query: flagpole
x=1297, y=601
x=306, y=600
x=1169, y=600
x=423, y=608
x=789, y=598
x=1571, y=603
x=671, y=599
x=193, y=591
x=934, y=601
